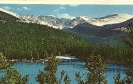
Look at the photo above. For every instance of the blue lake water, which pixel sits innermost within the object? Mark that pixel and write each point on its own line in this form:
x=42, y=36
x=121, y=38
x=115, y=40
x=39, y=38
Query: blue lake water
x=71, y=67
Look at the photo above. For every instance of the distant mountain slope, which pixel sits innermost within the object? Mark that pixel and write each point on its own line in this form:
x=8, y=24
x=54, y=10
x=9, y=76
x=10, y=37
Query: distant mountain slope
x=107, y=34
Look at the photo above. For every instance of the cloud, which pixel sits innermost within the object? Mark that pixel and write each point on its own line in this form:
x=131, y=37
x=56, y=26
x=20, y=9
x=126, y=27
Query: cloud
x=60, y=8
x=19, y=9
x=6, y=7
x=51, y=15
x=64, y=15
x=26, y=8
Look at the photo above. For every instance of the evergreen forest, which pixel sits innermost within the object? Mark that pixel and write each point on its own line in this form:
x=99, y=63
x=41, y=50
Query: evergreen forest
x=20, y=40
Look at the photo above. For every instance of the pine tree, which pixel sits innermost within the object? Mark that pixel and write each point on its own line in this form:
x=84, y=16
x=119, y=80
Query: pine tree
x=117, y=79
x=3, y=63
x=12, y=76
x=96, y=68
x=67, y=79
x=127, y=80
x=48, y=75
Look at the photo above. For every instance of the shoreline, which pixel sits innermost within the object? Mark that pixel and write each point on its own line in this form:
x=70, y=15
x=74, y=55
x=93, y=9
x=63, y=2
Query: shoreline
x=41, y=60
x=59, y=58
x=28, y=61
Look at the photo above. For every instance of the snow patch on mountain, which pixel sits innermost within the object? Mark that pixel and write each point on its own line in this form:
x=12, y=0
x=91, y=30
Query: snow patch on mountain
x=121, y=29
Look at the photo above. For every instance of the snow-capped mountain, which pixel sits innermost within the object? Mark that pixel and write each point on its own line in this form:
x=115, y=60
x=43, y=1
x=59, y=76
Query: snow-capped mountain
x=46, y=20
x=109, y=19
x=68, y=23
x=63, y=23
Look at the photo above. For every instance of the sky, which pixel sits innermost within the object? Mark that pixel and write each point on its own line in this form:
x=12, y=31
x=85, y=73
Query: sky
x=68, y=10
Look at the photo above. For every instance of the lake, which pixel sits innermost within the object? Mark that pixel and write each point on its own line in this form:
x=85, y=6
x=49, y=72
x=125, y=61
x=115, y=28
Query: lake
x=71, y=67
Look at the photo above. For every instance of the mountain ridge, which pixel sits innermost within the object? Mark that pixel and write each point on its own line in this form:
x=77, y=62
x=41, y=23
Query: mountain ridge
x=107, y=34
x=63, y=23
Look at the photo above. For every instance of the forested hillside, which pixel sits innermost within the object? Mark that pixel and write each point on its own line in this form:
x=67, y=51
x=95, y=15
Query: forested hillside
x=23, y=40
